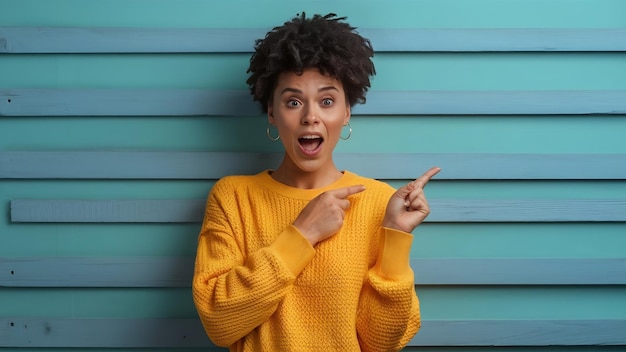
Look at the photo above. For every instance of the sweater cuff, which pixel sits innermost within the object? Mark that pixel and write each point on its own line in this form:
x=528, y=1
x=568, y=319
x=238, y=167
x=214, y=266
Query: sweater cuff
x=393, y=255
x=293, y=249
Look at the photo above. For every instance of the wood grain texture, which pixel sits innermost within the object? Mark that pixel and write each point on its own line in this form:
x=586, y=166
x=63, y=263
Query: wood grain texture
x=442, y=210
x=37, y=40
x=96, y=272
x=190, y=102
x=181, y=333
x=566, y=58
x=386, y=166
x=125, y=272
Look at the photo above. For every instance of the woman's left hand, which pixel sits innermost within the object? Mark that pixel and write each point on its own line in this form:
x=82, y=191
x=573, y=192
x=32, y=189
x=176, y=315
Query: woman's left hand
x=408, y=207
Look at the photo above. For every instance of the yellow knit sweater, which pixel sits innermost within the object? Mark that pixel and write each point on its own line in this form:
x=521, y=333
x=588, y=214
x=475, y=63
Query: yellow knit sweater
x=260, y=286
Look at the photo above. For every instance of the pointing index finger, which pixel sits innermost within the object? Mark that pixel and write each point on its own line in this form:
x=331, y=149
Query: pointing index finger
x=347, y=191
x=423, y=180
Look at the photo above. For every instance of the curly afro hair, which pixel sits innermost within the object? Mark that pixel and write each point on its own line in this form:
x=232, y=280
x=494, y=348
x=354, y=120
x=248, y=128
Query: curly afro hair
x=323, y=42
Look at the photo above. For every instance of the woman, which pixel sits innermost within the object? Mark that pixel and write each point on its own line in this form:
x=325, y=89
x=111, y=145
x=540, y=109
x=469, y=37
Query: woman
x=308, y=257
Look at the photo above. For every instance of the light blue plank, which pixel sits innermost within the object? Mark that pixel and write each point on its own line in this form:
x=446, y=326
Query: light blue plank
x=214, y=165
x=521, y=333
x=177, y=271
x=219, y=40
x=497, y=40
x=527, y=210
x=171, y=333
x=520, y=271
x=189, y=102
x=107, y=211
x=37, y=40
x=96, y=272
x=125, y=102
x=442, y=210
x=493, y=103
x=247, y=13
x=109, y=333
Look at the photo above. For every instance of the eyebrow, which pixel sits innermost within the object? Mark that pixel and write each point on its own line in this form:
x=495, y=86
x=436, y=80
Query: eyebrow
x=298, y=91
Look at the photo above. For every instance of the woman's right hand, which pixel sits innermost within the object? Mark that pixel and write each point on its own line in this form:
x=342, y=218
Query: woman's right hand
x=323, y=216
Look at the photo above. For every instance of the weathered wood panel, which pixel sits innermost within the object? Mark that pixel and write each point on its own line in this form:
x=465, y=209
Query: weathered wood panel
x=38, y=40
x=443, y=210
x=177, y=272
x=173, y=333
x=389, y=166
x=190, y=102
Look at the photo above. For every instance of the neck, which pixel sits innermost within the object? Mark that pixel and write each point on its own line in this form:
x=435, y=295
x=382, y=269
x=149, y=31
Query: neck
x=291, y=175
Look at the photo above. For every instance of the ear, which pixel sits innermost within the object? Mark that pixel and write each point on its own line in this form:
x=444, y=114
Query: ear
x=270, y=114
x=348, y=114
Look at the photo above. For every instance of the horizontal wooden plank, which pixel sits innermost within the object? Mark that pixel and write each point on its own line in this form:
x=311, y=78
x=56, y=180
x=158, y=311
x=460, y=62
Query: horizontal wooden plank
x=521, y=333
x=442, y=210
x=108, y=211
x=520, y=271
x=190, y=102
x=34, y=40
x=96, y=272
x=102, y=333
x=385, y=166
x=56, y=40
x=125, y=102
x=172, y=333
x=177, y=272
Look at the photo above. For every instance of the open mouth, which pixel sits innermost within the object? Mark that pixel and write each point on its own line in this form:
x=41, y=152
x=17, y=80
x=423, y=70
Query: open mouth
x=310, y=143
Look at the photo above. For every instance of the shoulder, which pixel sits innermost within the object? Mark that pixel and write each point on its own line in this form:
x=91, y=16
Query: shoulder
x=235, y=184
x=233, y=181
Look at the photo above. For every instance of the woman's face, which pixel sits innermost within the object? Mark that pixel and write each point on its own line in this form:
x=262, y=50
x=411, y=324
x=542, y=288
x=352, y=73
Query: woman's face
x=309, y=111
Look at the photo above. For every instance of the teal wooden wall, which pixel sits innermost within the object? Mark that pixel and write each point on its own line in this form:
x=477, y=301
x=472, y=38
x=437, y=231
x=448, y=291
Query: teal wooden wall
x=521, y=102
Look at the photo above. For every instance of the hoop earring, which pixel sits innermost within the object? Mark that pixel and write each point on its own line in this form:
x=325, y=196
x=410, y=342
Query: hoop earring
x=349, y=132
x=269, y=135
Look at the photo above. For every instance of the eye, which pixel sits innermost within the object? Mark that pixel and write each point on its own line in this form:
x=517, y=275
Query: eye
x=293, y=103
x=327, y=102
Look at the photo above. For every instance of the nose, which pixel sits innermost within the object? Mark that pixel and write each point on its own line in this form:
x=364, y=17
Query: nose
x=309, y=115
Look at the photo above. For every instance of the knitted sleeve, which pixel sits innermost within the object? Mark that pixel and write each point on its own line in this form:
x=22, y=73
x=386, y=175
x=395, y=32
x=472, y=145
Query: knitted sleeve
x=233, y=295
x=388, y=314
